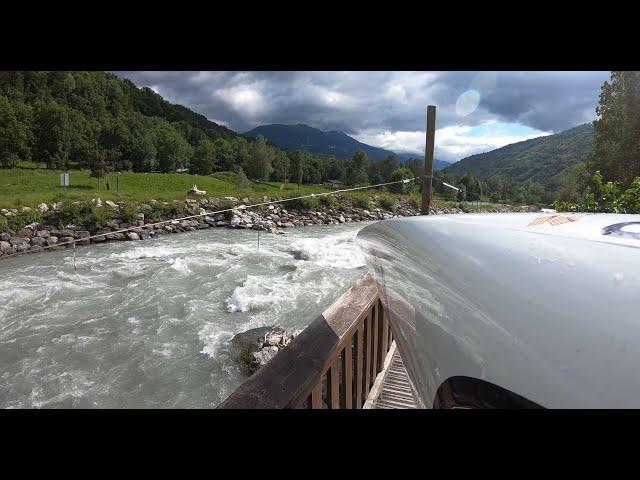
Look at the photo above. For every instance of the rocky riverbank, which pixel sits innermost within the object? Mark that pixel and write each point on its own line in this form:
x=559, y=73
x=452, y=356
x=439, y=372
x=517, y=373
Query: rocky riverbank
x=52, y=227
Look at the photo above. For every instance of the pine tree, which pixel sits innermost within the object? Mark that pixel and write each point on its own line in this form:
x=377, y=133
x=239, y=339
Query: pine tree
x=616, y=152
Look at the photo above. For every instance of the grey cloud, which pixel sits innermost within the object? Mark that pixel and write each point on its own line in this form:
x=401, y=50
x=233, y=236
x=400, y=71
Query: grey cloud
x=357, y=102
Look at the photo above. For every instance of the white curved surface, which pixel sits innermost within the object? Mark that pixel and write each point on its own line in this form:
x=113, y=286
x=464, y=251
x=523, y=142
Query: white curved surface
x=549, y=312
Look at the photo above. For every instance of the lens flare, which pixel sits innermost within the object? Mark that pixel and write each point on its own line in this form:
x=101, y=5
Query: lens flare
x=467, y=102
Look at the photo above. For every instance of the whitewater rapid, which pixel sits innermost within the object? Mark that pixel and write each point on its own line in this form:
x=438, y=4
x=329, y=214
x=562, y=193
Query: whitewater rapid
x=147, y=324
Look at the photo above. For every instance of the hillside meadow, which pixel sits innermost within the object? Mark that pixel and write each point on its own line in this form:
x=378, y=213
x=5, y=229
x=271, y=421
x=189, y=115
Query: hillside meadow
x=29, y=186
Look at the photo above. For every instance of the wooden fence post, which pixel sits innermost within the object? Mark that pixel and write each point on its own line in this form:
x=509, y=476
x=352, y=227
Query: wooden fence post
x=428, y=160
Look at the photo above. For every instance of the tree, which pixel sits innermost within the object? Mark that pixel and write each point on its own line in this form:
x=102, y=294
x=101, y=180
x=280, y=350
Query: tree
x=173, y=151
x=398, y=174
x=14, y=133
x=224, y=154
x=357, y=169
x=52, y=132
x=298, y=165
x=204, y=158
x=616, y=145
x=281, y=164
x=239, y=178
x=472, y=188
x=98, y=164
x=387, y=167
x=258, y=166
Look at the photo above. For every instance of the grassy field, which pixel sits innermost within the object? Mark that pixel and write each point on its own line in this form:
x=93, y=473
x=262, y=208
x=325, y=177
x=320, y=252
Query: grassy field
x=29, y=186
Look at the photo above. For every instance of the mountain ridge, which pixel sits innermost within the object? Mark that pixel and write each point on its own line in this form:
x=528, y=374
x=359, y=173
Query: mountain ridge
x=334, y=142
x=542, y=159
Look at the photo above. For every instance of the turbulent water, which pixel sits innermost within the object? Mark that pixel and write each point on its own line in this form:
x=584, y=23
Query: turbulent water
x=147, y=324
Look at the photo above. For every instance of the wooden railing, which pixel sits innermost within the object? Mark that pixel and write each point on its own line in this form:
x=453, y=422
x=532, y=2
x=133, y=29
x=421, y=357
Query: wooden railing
x=332, y=364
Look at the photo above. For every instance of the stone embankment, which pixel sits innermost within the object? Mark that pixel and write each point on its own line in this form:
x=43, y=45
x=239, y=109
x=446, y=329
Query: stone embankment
x=52, y=233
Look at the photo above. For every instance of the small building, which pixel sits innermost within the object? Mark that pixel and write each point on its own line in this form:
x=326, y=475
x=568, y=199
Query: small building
x=334, y=183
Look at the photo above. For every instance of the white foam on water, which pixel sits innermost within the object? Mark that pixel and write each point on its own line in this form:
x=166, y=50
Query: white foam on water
x=259, y=292
x=335, y=251
x=180, y=265
x=213, y=337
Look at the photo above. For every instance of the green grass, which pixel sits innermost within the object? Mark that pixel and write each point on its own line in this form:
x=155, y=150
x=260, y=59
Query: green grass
x=30, y=186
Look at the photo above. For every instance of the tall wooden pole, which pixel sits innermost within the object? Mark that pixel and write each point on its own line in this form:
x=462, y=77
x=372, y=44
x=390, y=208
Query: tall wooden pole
x=428, y=160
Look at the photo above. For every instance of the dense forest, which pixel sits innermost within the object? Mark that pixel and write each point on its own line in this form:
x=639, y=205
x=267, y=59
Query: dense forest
x=97, y=121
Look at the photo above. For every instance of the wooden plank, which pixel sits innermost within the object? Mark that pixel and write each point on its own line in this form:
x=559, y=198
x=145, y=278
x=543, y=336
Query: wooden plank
x=428, y=160
x=374, y=344
x=367, y=358
x=358, y=370
x=288, y=379
x=383, y=333
x=377, y=385
x=333, y=386
x=316, y=396
x=347, y=382
x=395, y=391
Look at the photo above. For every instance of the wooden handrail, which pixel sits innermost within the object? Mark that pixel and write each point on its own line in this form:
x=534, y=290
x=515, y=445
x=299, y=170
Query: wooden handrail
x=331, y=364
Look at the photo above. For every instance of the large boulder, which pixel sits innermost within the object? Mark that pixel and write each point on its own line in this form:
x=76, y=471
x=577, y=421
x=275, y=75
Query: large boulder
x=253, y=339
x=262, y=357
x=259, y=345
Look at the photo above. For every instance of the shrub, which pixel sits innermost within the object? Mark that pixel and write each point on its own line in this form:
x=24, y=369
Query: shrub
x=415, y=201
x=23, y=219
x=363, y=202
x=129, y=212
x=564, y=206
x=4, y=225
x=309, y=203
x=166, y=210
x=387, y=202
x=328, y=201
x=85, y=215
x=630, y=199
x=225, y=204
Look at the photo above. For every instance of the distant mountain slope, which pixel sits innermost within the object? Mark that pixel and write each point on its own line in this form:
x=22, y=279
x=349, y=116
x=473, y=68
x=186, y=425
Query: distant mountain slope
x=437, y=164
x=312, y=140
x=540, y=160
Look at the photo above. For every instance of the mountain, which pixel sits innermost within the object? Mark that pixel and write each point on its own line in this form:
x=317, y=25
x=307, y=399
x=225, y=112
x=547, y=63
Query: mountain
x=542, y=160
x=437, y=164
x=312, y=140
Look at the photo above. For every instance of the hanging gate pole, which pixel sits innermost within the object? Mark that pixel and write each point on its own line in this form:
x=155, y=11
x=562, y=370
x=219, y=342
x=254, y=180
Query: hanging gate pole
x=428, y=160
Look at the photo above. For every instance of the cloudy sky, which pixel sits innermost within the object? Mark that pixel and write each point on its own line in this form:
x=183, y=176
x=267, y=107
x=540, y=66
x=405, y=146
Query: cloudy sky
x=477, y=111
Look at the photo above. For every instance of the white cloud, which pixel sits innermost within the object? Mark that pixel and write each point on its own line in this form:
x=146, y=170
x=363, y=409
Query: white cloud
x=452, y=142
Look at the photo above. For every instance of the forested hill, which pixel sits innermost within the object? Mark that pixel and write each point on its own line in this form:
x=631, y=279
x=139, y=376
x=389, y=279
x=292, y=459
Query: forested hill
x=313, y=140
x=98, y=121
x=541, y=160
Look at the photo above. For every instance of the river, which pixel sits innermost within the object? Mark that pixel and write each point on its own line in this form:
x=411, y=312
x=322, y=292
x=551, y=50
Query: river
x=147, y=324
